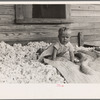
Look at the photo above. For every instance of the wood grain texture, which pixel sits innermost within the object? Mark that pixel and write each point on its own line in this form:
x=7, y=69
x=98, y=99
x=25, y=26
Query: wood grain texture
x=40, y=20
x=85, y=13
x=7, y=6
x=85, y=7
x=87, y=25
x=7, y=14
x=17, y=36
x=74, y=74
x=46, y=29
x=85, y=19
x=6, y=19
x=52, y=27
x=86, y=32
x=95, y=37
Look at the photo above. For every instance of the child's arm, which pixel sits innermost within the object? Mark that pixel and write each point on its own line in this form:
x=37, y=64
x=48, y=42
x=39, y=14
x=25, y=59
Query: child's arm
x=71, y=53
x=54, y=53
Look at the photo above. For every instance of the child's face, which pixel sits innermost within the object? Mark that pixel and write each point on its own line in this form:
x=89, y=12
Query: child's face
x=64, y=37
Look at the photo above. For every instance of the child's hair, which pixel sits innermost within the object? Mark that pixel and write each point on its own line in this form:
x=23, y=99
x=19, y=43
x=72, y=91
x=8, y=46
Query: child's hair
x=63, y=29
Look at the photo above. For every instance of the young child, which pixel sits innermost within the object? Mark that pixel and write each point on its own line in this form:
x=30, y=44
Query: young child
x=84, y=61
x=59, y=48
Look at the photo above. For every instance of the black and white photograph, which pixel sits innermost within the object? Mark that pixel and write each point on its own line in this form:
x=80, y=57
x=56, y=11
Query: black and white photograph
x=46, y=43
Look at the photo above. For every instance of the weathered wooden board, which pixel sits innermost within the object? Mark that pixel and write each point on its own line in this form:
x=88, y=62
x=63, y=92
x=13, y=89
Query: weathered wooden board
x=90, y=7
x=86, y=28
x=6, y=19
x=7, y=6
x=94, y=37
x=6, y=11
x=85, y=13
x=51, y=27
x=40, y=30
x=45, y=28
x=40, y=20
x=73, y=73
x=48, y=27
x=86, y=32
x=92, y=43
x=17, y=36
x=85, y=19
x=7, y=14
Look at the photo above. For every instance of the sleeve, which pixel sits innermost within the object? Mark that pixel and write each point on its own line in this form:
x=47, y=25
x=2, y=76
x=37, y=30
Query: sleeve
x=56, y=46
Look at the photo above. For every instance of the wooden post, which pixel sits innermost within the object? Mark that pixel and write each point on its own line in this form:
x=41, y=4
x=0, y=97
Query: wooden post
x=80, y=39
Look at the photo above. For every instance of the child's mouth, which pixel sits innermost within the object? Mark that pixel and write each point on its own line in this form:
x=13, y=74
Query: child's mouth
x=65, y=41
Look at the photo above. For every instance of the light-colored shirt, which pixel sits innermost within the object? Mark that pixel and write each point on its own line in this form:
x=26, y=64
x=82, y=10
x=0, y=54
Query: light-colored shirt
x=62, y=50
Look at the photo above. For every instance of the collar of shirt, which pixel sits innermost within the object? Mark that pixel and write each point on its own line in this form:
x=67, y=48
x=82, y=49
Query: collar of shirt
x=65, y=44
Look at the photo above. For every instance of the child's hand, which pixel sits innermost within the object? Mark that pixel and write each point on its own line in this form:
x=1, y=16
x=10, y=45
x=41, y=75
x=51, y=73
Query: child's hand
x=76, y=60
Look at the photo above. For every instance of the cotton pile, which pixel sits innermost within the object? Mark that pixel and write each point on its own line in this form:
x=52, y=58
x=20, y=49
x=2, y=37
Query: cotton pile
x=18, y=64
x=83, y=48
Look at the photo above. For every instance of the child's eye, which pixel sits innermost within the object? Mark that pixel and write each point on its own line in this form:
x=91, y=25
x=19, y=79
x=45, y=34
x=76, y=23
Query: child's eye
x=67, y=37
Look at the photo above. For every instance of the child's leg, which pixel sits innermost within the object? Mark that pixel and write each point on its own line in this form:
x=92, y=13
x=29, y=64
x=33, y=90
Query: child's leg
x=85, y=68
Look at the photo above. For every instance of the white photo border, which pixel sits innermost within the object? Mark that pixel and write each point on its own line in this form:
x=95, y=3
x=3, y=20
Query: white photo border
x=50, y=91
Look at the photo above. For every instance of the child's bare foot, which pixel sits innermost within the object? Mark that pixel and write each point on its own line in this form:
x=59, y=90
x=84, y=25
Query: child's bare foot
x=87, y=70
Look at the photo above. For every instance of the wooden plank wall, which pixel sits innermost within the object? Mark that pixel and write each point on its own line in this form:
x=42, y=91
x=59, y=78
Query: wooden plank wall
x=86, y=19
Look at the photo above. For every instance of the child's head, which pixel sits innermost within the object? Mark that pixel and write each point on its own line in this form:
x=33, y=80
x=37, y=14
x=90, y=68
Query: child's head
x=64, y=35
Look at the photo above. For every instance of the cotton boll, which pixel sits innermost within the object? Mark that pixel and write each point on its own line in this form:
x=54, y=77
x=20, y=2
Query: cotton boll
x=83, y=48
